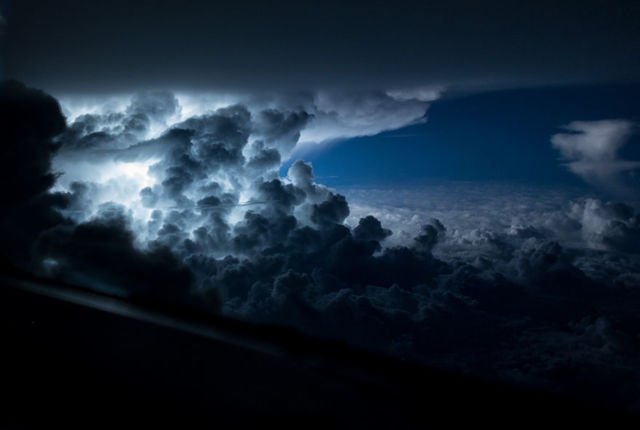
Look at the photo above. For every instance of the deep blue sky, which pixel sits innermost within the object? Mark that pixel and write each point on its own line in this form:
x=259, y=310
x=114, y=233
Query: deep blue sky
x=497, y=136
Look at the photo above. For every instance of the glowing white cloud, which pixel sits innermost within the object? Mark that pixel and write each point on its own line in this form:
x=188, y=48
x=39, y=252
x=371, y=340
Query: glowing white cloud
x=137, y=172
x=128, y=150
x=75, y=106
x=591, y=150
x=104, y=171
x=341, y=116
x=199, y=104
x=110, y=182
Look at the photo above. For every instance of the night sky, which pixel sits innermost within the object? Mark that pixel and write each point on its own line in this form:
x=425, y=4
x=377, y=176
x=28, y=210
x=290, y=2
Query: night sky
x=73, y=45
x=454, y=183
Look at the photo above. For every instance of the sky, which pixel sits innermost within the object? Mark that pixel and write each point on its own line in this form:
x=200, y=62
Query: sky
x=453, y=183
x=493, y=136
x=506, y=76
x=79, y=46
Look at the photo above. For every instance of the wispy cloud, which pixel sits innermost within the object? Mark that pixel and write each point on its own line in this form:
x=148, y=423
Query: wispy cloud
x=591, y=150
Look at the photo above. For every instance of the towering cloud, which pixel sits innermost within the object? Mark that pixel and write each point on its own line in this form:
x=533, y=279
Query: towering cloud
x=194, y=212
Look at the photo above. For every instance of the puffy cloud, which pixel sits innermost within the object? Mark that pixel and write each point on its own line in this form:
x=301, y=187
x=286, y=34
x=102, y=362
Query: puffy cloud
x=283, y=120
x=334, y=210
x=430, y=235
x=156, y=105
x=281, y=129
x=369, y=228
x=591, y=150
x=612, y=226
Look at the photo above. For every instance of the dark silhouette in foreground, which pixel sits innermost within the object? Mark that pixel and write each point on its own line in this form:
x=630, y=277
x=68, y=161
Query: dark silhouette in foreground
x=76, y=358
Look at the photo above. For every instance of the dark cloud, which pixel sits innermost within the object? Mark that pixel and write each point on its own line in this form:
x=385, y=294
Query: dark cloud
x=264, y=158
x=334, y=210
x=29, y=120
x=370, y=229
x=101, y=253
x=430, y=235
x=281, y=128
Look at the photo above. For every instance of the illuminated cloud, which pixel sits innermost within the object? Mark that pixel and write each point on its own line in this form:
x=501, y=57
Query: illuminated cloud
x=424, y=93
x=339, y=116
x=591, y=150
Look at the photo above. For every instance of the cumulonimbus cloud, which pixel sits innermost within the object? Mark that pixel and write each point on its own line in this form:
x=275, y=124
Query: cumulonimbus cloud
x=198, y=215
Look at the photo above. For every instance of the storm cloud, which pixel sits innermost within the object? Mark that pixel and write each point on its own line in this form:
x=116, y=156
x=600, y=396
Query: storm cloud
x=196, y=213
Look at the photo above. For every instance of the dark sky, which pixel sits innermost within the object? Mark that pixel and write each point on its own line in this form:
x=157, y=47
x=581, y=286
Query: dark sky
x=101, y=46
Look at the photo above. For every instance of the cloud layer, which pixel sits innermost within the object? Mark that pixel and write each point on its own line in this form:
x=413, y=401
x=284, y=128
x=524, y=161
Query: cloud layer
x=197, y=215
